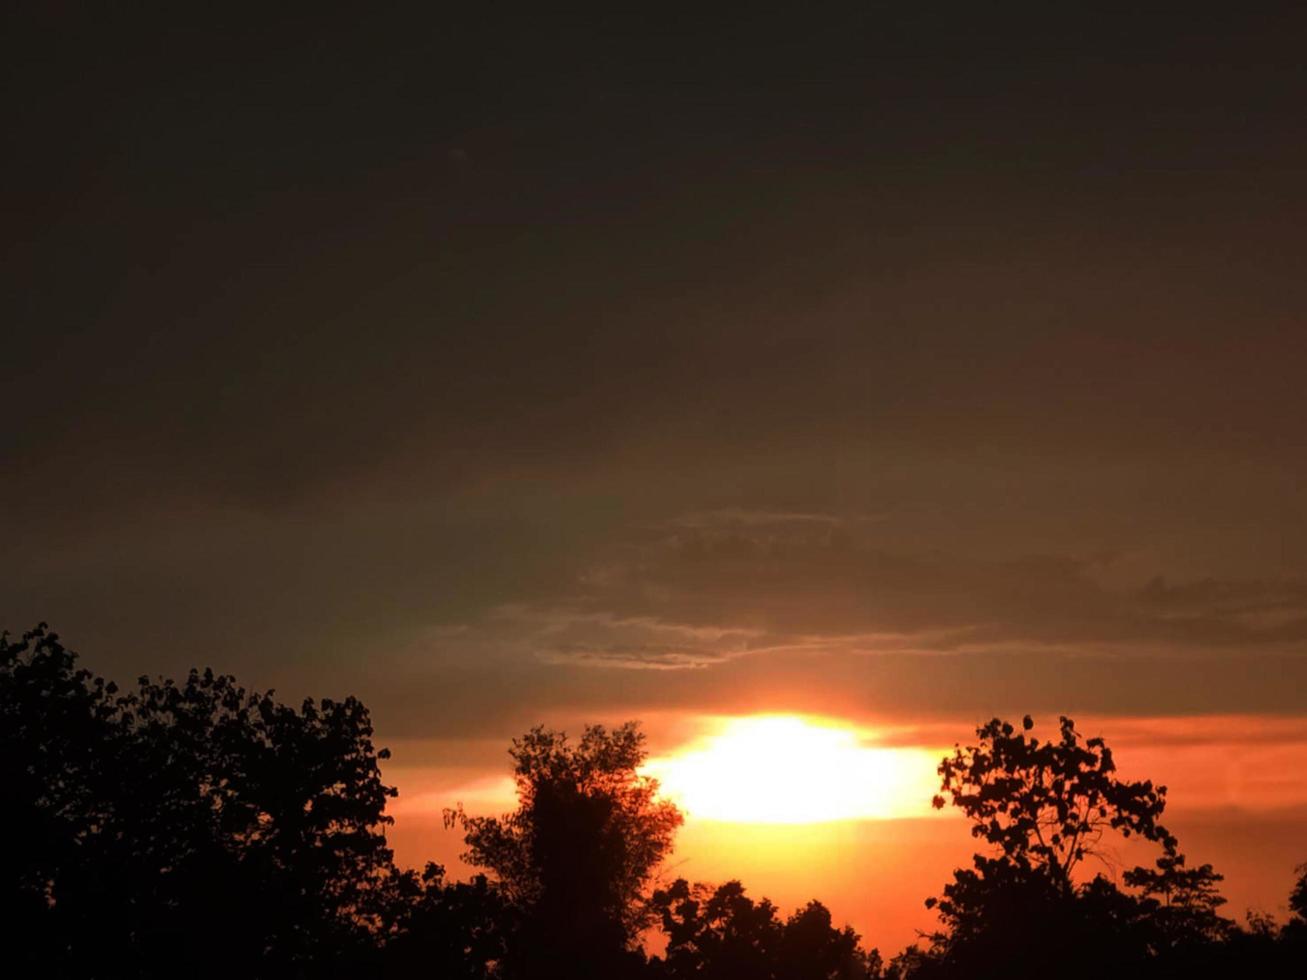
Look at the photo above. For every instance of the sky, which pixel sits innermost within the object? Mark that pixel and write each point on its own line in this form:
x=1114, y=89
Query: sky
x=896, y=366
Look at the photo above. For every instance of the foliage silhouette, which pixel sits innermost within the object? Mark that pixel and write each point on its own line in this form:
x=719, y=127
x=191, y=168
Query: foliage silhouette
x=576, y=856
x=1180, y=904
x=1298, y=897
x=173, y=814
x=722, y=934
x=448, y=930
x=1044, y=807
x=55, y=724
x=1295, y=932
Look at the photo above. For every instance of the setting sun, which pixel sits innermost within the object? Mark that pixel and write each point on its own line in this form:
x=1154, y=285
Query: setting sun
x=790, y=769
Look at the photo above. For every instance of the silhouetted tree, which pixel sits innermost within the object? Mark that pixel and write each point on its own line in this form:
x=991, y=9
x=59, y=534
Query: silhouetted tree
x=450, y=930
x=813, y=949
x=1298, y=897
x=717, y=933
x=722, y=934
x=57, y=723
x=193, y=829
x=1294, y=936
x=576, y=856
x=1179, y=904
x=1044, y=807
x=1003, y=920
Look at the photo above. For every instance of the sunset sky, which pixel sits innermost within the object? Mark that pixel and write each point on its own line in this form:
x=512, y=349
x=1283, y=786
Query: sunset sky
x=874, y=372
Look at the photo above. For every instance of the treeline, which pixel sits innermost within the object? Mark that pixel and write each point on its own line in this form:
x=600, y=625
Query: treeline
x=197, y=829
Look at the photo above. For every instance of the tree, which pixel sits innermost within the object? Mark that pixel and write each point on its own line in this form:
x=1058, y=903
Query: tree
x=1179, y=903
x=56, y=723
x=1294, y=935
x=454, y=931
x=576, y=856
x=1298, y=897
x=717, y=934
x=722, y=934
x=1044, y=807
x=192, y=828
x=813, y=949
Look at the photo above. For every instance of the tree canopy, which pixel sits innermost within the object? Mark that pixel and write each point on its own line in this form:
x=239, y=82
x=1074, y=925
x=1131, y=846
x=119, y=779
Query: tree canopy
x=155, y=820
x=722, y=934
x=1043, y=807
x=577, y=855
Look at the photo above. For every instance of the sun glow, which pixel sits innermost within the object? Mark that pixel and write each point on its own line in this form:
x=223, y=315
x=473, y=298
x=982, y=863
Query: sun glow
x=791, y=769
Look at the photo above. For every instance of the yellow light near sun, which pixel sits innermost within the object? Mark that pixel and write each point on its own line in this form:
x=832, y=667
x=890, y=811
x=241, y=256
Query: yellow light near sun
x=789, y=769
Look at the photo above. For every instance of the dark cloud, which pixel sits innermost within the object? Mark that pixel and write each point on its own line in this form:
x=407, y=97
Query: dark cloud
x=775, y=581
x=505, y=366
x=631, y=657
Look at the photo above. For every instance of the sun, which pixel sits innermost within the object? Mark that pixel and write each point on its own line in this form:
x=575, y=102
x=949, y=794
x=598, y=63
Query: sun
x=793, y=769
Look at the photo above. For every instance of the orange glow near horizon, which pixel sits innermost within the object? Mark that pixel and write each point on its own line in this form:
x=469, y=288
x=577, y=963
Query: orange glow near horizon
x=804, y=806
x=790, y=769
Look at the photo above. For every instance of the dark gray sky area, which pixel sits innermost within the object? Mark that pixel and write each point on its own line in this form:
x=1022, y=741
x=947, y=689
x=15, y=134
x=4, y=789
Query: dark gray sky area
x=916, y=359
